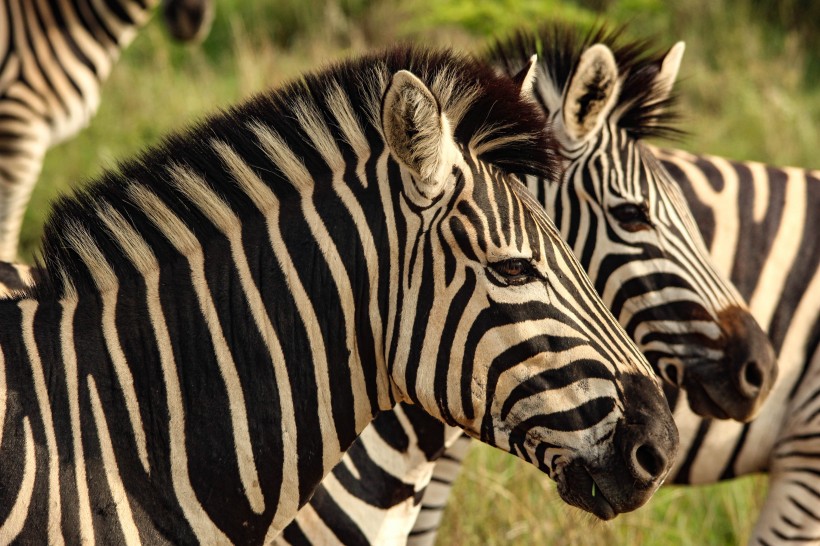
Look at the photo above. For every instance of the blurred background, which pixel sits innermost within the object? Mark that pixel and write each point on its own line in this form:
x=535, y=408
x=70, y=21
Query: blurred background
x=749, y=86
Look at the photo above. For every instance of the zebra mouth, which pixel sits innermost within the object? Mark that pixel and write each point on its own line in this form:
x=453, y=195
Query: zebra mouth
x=703, y=404
x=577, y=487
x=712, y=394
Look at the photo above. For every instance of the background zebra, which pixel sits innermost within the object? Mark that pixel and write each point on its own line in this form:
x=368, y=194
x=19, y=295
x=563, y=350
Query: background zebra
x=54, y=57
x=630, y=228
x=758, y=222
x=221, y=317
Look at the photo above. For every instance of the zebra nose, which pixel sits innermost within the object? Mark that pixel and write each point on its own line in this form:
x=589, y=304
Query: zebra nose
x=648, y=463
x=672, y=373
x=647, y=436
x=751, y=354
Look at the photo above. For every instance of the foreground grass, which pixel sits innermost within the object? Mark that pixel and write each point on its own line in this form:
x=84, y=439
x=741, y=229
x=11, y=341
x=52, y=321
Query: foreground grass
x=743, y=97
x=499, y=501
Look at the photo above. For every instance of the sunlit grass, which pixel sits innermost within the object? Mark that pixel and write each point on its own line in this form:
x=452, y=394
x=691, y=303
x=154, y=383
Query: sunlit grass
x=498, y=500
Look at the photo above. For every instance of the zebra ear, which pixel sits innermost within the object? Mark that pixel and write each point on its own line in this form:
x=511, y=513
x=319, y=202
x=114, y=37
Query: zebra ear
x=525, y=79
x=418, y=133
x=591, y=92
x=669, y=70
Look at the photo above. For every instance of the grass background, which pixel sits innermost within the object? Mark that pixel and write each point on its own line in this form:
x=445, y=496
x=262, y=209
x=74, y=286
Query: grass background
x=750, y=89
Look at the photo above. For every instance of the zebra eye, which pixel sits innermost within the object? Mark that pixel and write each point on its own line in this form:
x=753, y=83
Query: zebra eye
x=514, y=271
x=632, y=216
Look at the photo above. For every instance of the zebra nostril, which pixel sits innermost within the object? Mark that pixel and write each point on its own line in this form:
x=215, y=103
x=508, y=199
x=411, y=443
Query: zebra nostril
x=648, y=462
x=751, y=378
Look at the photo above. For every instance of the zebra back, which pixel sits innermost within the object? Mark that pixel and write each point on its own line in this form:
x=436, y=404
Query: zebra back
x=758, y=222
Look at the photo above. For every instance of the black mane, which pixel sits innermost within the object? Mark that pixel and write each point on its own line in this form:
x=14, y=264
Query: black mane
x=643, y=111
x=484, y=108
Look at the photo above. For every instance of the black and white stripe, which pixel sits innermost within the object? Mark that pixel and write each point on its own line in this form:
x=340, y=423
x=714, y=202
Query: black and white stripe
x=758, y=221
x=221, y=317
x=54, y=56
x=628, y=222
x=629, y=225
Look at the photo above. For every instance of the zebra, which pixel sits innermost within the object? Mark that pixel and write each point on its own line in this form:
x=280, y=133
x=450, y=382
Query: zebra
x=219, y=318
x=757, y=221
x=54, y=57
x=16, y=277
x=613, y=193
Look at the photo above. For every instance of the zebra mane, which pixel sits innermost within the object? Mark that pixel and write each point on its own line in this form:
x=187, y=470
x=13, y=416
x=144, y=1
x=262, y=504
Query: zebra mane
x=643, y=110
x=332, y=113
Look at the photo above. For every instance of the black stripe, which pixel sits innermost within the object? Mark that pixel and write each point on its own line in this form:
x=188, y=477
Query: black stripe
x=454, y=315
x=337, y=520
x=683, y=475
x=740, y=443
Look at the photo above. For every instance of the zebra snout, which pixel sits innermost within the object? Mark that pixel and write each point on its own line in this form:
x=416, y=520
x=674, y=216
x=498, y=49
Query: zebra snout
x=751, y=358
x=649, y=445
x=735, y=385
x=647, y=436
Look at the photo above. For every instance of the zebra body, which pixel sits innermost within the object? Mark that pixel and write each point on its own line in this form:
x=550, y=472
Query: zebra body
x=651, y=269
x=16, y=277
x=759, y=225
x=54, y=56
x=219, y=319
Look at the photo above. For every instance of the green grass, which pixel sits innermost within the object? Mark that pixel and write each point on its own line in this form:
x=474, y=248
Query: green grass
x=745, y=93
x=498, y=500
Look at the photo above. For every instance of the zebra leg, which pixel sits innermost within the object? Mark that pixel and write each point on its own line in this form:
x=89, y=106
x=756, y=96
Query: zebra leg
x=21, y=160
x=434, y=500
x=791, y=512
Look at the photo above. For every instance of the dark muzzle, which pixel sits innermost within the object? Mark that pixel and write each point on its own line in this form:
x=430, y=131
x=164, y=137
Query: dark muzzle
x=736, y=386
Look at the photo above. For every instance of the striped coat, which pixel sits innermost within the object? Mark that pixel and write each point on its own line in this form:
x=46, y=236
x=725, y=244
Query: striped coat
x=221, y=317
x=54, y=57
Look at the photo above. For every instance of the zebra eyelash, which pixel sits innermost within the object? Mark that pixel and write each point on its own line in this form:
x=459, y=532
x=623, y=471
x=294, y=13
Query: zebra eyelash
x=513, y=271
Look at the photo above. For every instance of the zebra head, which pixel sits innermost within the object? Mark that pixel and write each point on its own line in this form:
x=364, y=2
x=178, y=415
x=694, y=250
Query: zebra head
x=188, y=20
x=626, y=219
x=496, y=327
